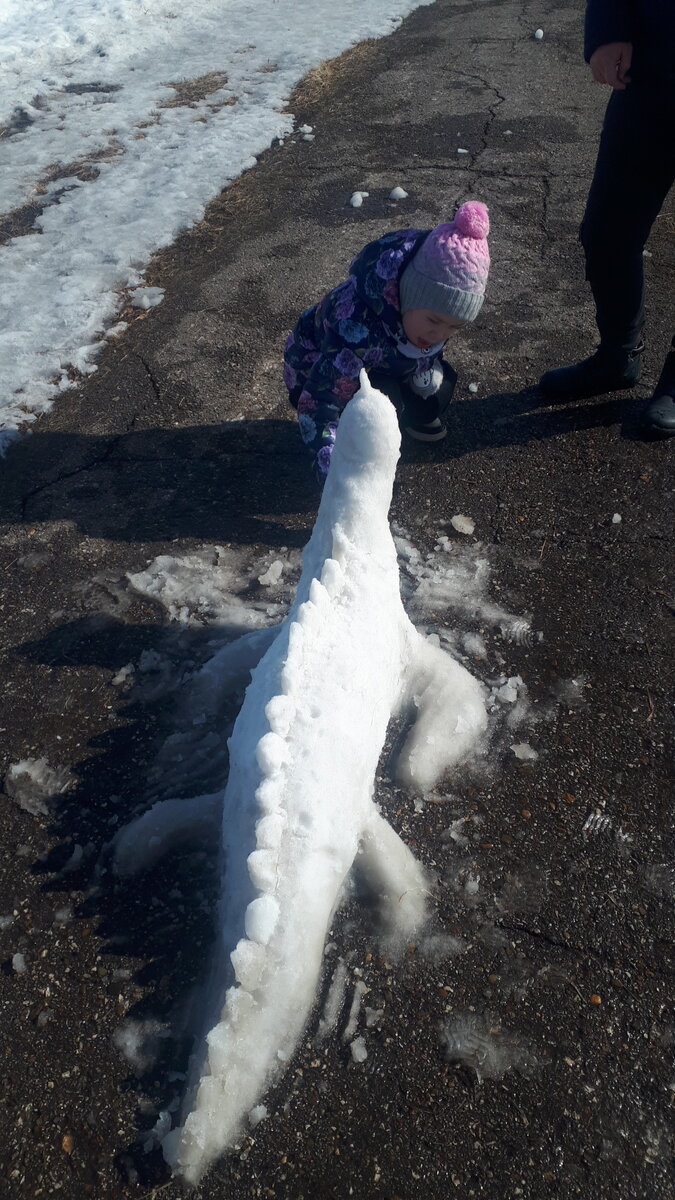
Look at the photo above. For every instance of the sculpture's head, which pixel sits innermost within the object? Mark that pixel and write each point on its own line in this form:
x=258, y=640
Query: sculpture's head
x=368, y=436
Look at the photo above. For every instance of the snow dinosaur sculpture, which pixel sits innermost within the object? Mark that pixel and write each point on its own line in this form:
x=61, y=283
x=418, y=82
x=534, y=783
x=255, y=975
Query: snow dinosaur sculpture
x=298, y=811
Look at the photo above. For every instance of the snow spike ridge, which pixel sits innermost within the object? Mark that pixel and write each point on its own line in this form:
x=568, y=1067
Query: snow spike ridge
x=260, y=919
x=332, y=577
x=280, y=711
x=262, y=869
x=271, y=754
x=269, y=831
x=295, y=641
x=248, y=960
x=267, y=797
x=318, y=595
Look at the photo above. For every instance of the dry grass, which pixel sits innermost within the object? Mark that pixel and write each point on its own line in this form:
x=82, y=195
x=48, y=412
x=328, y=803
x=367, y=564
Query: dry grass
x=190, y=91
x=330, y=74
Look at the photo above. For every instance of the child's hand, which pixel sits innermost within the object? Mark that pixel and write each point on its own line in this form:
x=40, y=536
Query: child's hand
x=611, y=64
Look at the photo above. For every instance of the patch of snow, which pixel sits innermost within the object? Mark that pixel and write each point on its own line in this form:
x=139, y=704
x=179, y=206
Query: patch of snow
x=524, y=751
x=357, y=199
x=358, y=1050
x=350, y=1028
x=33, y=784
x=398, y=193
x=122, y=120
x=463, y=524
x=147, y=297
x=139, y=1042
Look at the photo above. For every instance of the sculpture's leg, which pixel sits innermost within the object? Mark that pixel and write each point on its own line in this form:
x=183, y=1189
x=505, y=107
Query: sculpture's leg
x=450, y=716
x=393, y=873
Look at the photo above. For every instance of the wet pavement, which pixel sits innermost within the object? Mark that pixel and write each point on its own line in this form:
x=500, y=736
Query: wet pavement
x=530, y=1054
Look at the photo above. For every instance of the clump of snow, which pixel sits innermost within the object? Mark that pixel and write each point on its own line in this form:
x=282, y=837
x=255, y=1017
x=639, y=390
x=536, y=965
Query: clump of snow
x=524, y=751
x=273, y=574
x=305, y=129
x=463, y=524
x=257, y=1114
x=462, y=150
x=474, y=644
x=398, y=193
x=139, y=1042
x=539, y=34
x=123, y=674
x=373, y=1016
x=210, y=586
x=358, y=1050
x=357, y=199
x=616, y=519
x=19, y=963
x=352, y=1022
x=473, y=388
x=147, y=297
x=33, y=784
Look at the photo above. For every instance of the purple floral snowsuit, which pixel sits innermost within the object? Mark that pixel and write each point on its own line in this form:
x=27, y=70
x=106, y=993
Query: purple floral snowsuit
x=356, y=325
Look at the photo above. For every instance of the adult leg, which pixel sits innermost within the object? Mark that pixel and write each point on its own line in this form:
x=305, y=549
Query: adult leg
x=634, y=172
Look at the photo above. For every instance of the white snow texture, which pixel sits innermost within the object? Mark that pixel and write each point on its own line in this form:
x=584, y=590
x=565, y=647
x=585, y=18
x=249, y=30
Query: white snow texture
x=298, y=809
x=119, y=121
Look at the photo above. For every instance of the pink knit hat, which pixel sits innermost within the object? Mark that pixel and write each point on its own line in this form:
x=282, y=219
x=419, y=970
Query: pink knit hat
x=449, y=272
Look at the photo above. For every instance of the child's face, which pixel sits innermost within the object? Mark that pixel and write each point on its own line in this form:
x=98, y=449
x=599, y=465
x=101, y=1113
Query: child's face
x=424, y=328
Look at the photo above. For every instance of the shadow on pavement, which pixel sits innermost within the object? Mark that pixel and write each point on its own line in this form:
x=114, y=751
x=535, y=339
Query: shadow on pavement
x=237, y=481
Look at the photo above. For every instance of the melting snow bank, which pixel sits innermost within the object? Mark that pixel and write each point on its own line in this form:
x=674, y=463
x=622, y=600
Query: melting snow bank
x=298, y=810
x=120, y=121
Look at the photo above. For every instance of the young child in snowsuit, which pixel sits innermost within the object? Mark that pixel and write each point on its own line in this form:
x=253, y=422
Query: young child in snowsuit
x=407, y=293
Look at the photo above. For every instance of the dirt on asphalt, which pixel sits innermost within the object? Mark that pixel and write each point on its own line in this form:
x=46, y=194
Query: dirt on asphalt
x=532, y=1056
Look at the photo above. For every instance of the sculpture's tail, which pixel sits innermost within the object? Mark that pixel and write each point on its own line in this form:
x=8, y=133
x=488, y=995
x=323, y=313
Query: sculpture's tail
x=256, y=1032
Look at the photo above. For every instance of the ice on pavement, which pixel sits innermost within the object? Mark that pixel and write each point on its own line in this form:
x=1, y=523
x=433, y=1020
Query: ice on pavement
x=119, y=122
x=487, y=1049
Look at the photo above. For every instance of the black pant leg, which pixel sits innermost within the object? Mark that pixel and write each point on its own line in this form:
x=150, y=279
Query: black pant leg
x=635, y=170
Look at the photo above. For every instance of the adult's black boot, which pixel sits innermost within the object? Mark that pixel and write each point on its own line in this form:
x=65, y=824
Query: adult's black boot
x=658, y=418
x=605, y=371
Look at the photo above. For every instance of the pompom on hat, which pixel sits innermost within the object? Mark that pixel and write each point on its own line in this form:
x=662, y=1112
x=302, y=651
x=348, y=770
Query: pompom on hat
x=450, y=270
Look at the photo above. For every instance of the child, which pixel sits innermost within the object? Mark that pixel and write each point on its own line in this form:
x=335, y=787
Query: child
x=407, y=293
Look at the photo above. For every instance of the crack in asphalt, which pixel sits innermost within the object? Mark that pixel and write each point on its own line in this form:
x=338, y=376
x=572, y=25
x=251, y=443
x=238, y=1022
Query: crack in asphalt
x=153, y=382
x=98, y=461
x=539, y=935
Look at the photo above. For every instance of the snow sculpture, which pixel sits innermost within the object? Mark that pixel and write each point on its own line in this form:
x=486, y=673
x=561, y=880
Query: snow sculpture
x=298, y=810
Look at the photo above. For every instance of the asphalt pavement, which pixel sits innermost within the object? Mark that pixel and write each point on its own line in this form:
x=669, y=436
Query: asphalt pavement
x=539, y=1062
